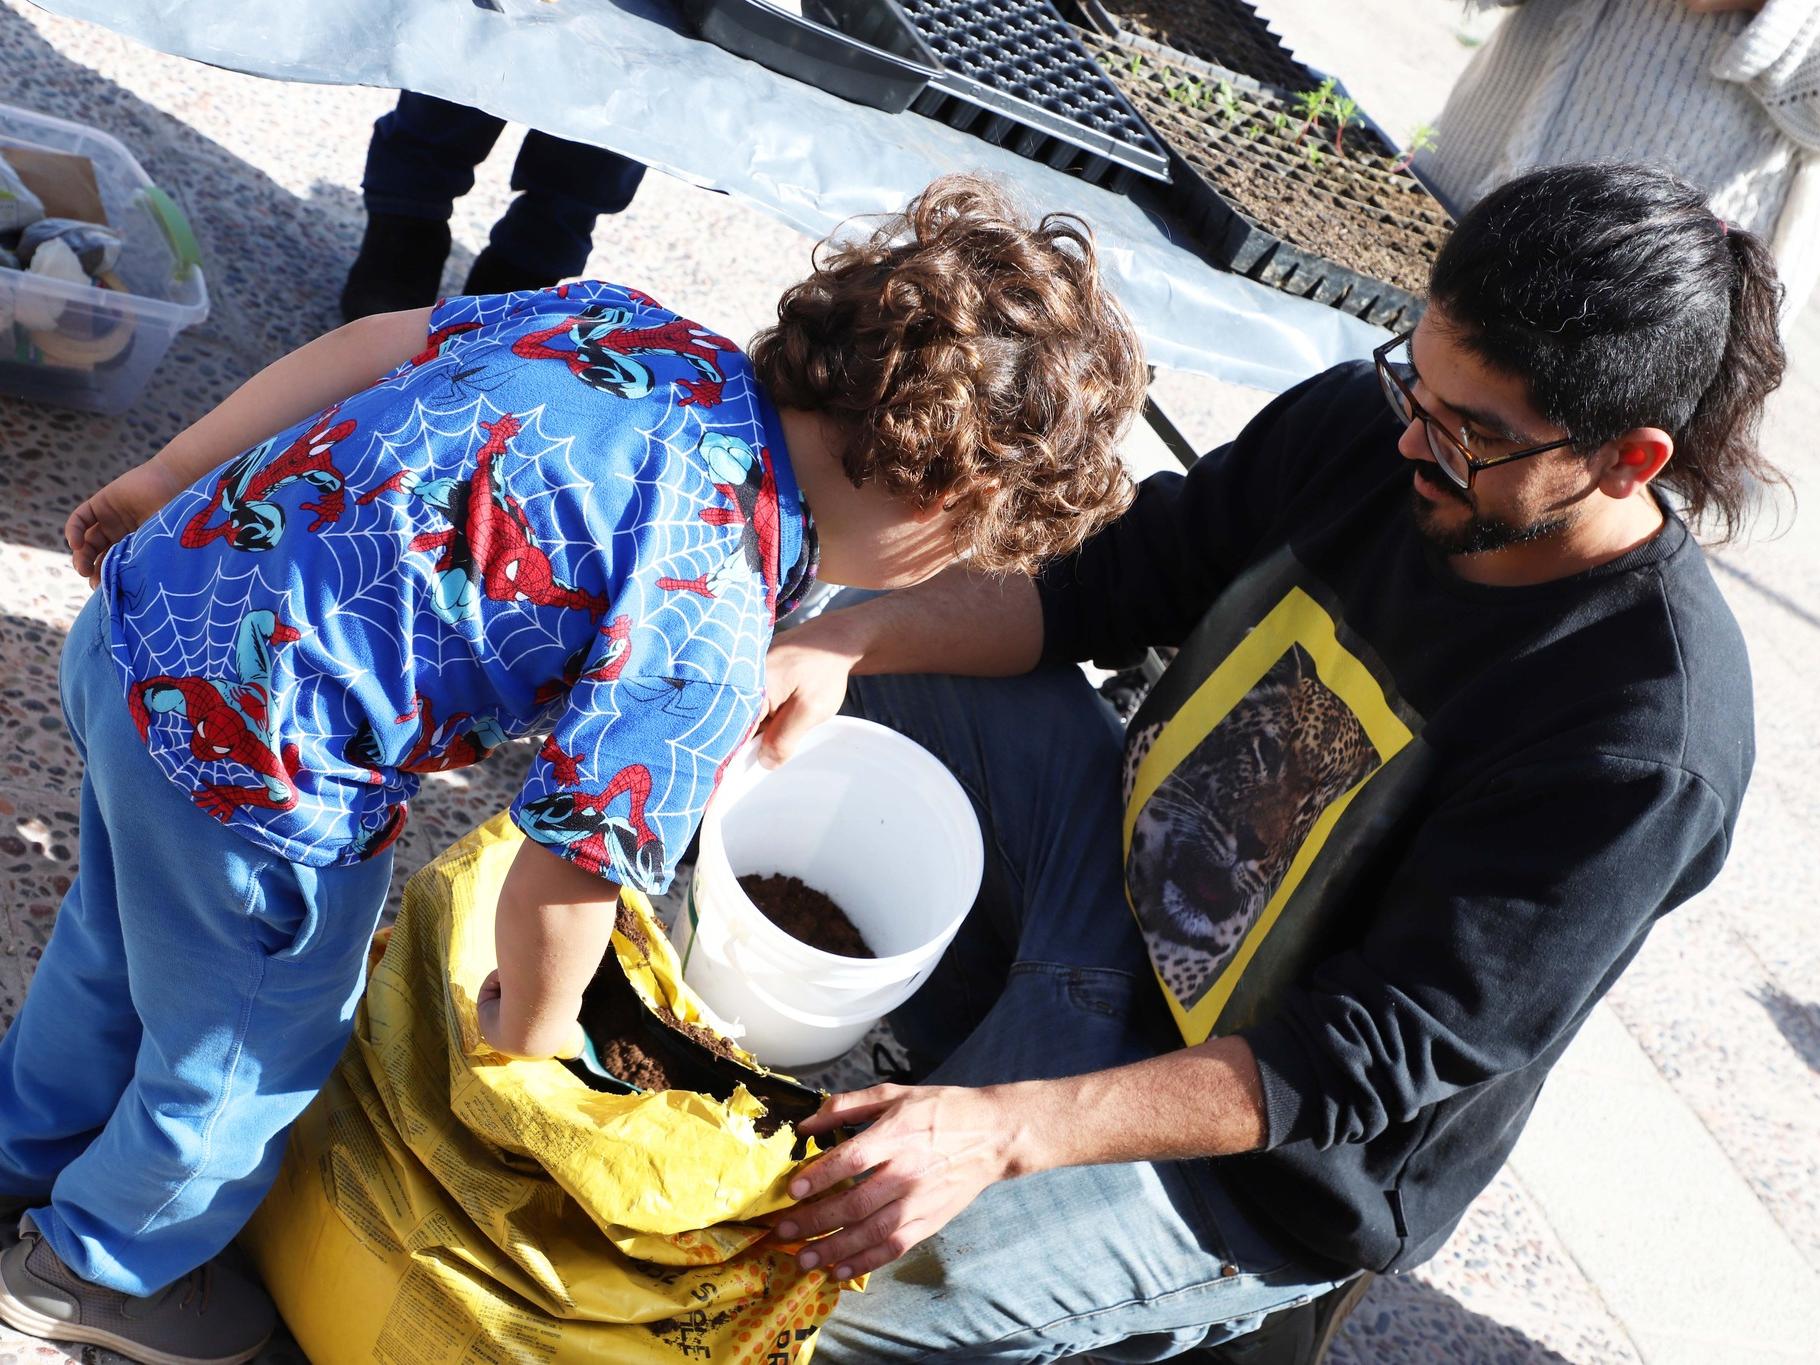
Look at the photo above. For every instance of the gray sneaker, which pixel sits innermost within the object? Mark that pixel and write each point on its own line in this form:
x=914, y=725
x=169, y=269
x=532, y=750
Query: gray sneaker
x=213, y=1316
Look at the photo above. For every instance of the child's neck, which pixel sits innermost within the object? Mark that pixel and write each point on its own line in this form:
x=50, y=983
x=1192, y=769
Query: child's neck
x=815, y=449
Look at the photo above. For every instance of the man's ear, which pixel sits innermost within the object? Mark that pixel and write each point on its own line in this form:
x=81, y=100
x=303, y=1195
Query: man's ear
x=1632, y=460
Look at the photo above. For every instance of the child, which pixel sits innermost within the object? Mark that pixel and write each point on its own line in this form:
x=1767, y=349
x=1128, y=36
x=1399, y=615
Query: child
x=567, y=512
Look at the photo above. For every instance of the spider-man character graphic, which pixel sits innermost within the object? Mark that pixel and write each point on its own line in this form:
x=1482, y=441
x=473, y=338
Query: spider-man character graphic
x=488, y=547
x=375, y=838
x=230, y=721
x=245, y=491
x=580, y=821
x=747, y=479
x=604, y=346
x=618, y=653
x=433, y=344
x=436, y=748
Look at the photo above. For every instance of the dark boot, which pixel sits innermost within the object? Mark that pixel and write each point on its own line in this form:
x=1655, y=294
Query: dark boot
x=492, y=273
x=399, y=266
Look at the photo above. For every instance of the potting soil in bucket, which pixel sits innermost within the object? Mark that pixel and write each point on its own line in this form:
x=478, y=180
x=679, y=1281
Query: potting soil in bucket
x=871, y=820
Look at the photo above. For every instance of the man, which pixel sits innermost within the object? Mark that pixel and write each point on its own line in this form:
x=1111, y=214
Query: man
x=1458, y=713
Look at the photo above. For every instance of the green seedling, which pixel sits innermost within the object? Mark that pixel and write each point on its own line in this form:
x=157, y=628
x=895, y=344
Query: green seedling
x=1136, y=65
x=1280, y=122
x=1230, y=108
x=1345, y=114
x=1313, y=105
x=1313, y=155
x=1421, y=139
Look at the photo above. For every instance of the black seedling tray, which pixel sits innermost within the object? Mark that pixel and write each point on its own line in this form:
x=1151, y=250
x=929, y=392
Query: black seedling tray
x=861, y=50
x=1217, y=157
x=1015, y=74
x=1226, y=33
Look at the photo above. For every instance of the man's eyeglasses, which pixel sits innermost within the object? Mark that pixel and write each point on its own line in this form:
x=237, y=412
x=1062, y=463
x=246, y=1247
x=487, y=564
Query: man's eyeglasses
x=1396, y=375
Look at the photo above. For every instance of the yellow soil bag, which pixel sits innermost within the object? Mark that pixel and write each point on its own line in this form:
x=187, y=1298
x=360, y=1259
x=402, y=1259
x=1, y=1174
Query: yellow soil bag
x=441, y=1206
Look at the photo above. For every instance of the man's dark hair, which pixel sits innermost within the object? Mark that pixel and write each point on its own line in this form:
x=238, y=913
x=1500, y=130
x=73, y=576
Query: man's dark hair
x=1622, y=301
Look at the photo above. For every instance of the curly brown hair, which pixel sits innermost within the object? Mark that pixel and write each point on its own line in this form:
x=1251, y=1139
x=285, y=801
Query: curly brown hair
x=974, y=361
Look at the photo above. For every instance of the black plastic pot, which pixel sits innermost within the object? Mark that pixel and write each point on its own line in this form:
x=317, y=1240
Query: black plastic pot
x=861, y=50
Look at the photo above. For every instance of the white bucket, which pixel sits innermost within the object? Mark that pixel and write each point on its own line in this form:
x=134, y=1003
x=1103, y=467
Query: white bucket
x=877, y=823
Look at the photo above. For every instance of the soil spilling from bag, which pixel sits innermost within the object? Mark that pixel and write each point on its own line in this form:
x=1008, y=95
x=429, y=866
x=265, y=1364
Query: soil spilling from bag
x=616, y=1019
x=807, y=915
x=655, y=1050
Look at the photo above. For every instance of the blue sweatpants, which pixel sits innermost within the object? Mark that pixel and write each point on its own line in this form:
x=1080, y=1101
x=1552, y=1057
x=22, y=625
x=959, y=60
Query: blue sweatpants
x=193, y=998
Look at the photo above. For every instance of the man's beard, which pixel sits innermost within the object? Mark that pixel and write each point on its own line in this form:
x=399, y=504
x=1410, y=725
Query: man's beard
x=1478, y=534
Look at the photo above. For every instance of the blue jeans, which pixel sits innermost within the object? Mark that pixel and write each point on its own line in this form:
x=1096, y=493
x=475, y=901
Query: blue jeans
x=194, y=996
x=1049, y=977
x=422, y=159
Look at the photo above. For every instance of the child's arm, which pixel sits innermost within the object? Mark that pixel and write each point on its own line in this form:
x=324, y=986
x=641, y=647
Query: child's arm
x=306, y=381
x=554, y=925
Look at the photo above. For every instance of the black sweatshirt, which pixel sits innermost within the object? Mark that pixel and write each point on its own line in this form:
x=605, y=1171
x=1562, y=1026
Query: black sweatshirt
x=1398, y=830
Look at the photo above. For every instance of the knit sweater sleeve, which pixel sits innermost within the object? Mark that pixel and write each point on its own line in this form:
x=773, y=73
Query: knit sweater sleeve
x=1777, y=58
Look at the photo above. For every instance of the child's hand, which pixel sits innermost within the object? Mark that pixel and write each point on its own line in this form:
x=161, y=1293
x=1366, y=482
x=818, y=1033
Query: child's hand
x=114, y=513
x=487, y=1008
x=806, y=675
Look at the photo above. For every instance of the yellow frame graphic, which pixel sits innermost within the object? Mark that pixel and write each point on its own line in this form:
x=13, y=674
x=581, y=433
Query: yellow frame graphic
x=1297, y=619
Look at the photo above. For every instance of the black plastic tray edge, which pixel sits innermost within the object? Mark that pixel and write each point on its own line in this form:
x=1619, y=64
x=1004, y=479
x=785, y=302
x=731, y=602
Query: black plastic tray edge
x=760, y=32
x=997, y=104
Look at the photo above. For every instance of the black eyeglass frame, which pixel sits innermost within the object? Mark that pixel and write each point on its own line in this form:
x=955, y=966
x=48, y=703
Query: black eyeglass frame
x=1431, y=425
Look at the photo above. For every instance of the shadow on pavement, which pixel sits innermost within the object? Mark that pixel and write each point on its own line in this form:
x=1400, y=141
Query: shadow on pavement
x=1403, y=1320
x=1799, y=1022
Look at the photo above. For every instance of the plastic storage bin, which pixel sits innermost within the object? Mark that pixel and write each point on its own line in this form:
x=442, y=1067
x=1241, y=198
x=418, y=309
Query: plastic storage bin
x=104, y=343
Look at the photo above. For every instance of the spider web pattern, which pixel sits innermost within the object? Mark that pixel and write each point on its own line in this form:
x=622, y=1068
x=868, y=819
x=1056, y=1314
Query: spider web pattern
x=396, y=665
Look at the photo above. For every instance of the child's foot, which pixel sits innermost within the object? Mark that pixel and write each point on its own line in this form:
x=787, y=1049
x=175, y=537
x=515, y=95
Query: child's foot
x=212, y=1316
x=399, y=266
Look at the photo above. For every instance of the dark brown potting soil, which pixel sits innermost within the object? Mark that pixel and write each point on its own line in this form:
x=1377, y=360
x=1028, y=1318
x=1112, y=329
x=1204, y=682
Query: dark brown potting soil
x=612, y=1015
x=614, y=1018
x=804, y=913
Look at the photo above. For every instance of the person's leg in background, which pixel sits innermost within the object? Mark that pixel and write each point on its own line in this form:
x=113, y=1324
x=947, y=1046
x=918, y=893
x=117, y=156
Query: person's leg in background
x=420, y=161
x=1050, y=977
x=547, y=231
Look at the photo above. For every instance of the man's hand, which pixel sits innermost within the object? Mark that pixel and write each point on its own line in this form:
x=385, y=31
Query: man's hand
x=930, y=1151
x=114, y=513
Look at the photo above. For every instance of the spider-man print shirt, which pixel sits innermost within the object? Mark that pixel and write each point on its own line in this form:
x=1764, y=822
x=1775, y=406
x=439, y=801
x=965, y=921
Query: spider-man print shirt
x=571, y=516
